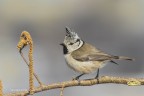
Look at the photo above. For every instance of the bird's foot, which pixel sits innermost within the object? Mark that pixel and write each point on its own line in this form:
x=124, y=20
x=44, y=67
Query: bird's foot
x=77, y=79
x=89, y=79
x=97, y=79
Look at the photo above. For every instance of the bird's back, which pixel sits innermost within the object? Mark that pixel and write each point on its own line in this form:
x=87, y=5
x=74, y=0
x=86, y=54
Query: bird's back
x=89, y=53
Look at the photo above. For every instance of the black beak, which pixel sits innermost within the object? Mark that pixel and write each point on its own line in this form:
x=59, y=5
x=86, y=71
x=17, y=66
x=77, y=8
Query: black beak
x=62, y=44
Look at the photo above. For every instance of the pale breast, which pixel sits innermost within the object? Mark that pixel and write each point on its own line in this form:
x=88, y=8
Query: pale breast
x=83, y=67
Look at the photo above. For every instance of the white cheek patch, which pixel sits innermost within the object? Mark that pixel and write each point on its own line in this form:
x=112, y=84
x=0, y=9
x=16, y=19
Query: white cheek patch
x=70, y=49
x=75, y=46
x=73, y=43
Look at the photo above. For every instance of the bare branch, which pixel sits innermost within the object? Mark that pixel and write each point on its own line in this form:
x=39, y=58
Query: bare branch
x=37, y=78
x=102, y=80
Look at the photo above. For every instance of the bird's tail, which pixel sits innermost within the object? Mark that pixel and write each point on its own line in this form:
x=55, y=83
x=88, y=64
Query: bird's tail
x=123, y=58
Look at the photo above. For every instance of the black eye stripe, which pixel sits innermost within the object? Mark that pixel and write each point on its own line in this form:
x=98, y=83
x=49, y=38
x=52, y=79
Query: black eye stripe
x=71, y=43
x=78, y=40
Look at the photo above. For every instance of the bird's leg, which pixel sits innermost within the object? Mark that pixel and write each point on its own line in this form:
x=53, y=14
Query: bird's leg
x=76, y=78
x=97, y=76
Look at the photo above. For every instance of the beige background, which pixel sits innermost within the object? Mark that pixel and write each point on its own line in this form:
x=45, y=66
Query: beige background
x=114, y=26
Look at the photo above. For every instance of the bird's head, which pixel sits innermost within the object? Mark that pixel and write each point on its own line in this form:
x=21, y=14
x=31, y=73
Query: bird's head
x=72, y=41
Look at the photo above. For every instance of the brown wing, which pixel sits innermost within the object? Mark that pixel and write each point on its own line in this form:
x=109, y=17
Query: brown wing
x=89, y=53
x=94, y=57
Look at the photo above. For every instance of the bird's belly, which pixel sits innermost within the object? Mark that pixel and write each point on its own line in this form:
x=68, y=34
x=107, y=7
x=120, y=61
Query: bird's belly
x=82, y=67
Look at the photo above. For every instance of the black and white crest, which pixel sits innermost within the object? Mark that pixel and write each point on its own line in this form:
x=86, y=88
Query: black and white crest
x=72, y=41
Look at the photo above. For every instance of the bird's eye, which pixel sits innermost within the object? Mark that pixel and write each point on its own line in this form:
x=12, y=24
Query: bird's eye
x=70, y=43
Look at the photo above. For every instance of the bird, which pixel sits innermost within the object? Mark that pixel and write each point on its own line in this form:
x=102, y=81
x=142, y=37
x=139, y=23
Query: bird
x=83, y=57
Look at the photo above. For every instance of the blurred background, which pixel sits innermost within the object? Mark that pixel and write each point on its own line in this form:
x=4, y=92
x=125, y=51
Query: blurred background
x=114, y=26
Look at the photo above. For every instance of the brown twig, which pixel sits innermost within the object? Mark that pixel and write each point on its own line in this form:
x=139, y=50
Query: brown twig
x=37, y=78
x=102, y=80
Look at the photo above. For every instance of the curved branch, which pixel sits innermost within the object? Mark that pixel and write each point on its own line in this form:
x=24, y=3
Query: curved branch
x=102, y=80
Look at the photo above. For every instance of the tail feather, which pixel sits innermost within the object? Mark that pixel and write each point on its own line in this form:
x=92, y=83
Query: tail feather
x=114, y=62
x=123, y=58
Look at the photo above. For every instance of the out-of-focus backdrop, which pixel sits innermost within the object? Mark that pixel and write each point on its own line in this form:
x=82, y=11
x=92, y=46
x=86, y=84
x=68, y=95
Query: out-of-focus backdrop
x=114, y=26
